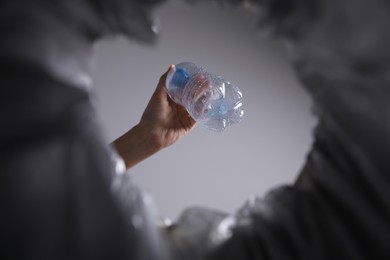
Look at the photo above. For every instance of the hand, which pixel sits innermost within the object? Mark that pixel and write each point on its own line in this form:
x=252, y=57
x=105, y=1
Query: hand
x=162, y=124
x=166, y=120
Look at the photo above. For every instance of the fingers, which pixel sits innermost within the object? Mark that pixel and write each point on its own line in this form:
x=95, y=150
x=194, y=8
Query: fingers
x=186, y=121
x=199, y=93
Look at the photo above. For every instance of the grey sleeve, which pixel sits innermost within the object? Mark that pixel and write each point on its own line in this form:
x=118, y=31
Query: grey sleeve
x=61, y=197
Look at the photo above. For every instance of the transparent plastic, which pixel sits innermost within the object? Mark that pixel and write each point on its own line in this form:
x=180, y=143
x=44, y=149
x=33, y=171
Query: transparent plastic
x=212, y=101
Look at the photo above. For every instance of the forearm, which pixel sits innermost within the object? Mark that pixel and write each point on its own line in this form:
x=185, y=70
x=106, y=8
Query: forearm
x=136, y=145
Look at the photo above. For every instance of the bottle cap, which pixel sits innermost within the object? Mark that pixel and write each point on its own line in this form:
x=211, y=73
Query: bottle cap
x=180, y=78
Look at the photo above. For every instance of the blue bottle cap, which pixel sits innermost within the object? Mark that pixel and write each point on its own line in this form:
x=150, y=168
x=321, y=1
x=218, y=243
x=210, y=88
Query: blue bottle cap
x=180, y=78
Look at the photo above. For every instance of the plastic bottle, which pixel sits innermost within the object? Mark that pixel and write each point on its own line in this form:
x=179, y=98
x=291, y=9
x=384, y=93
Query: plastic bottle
x=212, y=101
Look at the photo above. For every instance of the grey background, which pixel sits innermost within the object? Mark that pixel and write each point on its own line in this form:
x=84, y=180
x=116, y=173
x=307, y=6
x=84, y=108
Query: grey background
x=265, y=150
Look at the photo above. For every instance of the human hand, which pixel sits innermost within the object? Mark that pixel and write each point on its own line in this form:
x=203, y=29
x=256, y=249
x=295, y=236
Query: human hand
x=162, y=124
x=167, y=121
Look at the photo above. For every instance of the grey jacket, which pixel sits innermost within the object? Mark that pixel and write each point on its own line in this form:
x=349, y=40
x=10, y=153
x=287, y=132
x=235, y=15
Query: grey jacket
x=64, y=194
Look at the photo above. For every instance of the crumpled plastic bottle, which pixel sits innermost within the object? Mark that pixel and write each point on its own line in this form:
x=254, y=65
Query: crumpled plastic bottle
x=211, y=100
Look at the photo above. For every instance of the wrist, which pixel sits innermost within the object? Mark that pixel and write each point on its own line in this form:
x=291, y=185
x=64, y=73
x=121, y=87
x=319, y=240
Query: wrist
x=149, y=137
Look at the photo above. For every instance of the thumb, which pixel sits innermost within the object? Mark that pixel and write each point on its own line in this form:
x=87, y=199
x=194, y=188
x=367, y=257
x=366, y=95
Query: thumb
x=163, y=78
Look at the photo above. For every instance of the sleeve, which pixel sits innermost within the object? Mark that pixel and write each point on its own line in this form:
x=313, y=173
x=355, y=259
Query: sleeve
x=61, y=197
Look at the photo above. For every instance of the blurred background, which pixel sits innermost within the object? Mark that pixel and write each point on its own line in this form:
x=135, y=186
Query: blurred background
x=269, y=146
